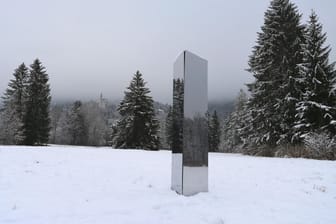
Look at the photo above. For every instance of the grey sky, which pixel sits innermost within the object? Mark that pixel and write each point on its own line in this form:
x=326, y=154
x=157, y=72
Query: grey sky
x=96, y=46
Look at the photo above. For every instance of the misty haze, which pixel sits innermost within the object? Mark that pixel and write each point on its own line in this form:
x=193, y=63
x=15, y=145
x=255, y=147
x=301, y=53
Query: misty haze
x=93, y=47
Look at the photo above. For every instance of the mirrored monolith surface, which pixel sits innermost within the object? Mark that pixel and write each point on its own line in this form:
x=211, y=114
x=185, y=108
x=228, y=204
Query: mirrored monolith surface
x=189, y=125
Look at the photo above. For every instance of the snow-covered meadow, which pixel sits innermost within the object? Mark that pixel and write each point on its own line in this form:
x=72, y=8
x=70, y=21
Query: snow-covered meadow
x=75, y=185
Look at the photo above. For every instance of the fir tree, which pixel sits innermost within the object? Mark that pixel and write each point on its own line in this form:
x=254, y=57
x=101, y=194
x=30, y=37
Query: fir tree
x=138, y=127
x=274, y=64
x=317, y=110
x=36, y=118
x=236, y=128
x=214, y=133
x=13, y=109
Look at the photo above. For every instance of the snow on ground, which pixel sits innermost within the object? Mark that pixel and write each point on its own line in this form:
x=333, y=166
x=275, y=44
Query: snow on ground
x=76, y=185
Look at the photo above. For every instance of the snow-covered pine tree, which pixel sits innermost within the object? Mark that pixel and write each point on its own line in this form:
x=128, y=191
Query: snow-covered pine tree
x=36, y=118
x=138, y=127
x=76, y=126
x=274, y=64
x=236, y=125
x=214, y=132
x=317, y=110
x=13, y=107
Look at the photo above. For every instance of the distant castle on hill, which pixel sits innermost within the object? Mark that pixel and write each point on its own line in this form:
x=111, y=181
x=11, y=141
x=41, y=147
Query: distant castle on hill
x=102, y=102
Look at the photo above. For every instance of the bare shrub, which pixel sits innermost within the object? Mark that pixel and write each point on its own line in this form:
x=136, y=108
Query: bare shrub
x=320, y=146
x=259, y=150
x=292, y=151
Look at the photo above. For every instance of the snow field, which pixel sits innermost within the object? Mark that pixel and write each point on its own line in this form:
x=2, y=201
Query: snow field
x=86, y=185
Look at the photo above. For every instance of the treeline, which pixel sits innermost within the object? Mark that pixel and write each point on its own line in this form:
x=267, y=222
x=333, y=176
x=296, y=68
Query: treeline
x=291, y=110
x=27, y=118
x=81, y=123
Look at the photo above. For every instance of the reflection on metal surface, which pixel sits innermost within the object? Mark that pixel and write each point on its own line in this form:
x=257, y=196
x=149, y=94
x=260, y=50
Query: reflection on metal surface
x=177, y=129
x=189, y=126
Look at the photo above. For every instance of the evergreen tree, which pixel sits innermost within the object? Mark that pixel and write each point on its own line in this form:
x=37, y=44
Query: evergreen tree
x=77, y=129
x=214, y=133
x=13, y=107
x=274, y=64
x=317, y=110
x=236, y=128
x=138, y=127
x=36, y=118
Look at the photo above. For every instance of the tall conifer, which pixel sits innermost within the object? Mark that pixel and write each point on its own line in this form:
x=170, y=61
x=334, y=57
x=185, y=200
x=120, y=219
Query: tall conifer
x=274, y=64
x=36, y=118
x=138, y=127
x=317, y=110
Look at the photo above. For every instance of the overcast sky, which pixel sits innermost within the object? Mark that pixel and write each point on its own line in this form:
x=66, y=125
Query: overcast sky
x=89, y=47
